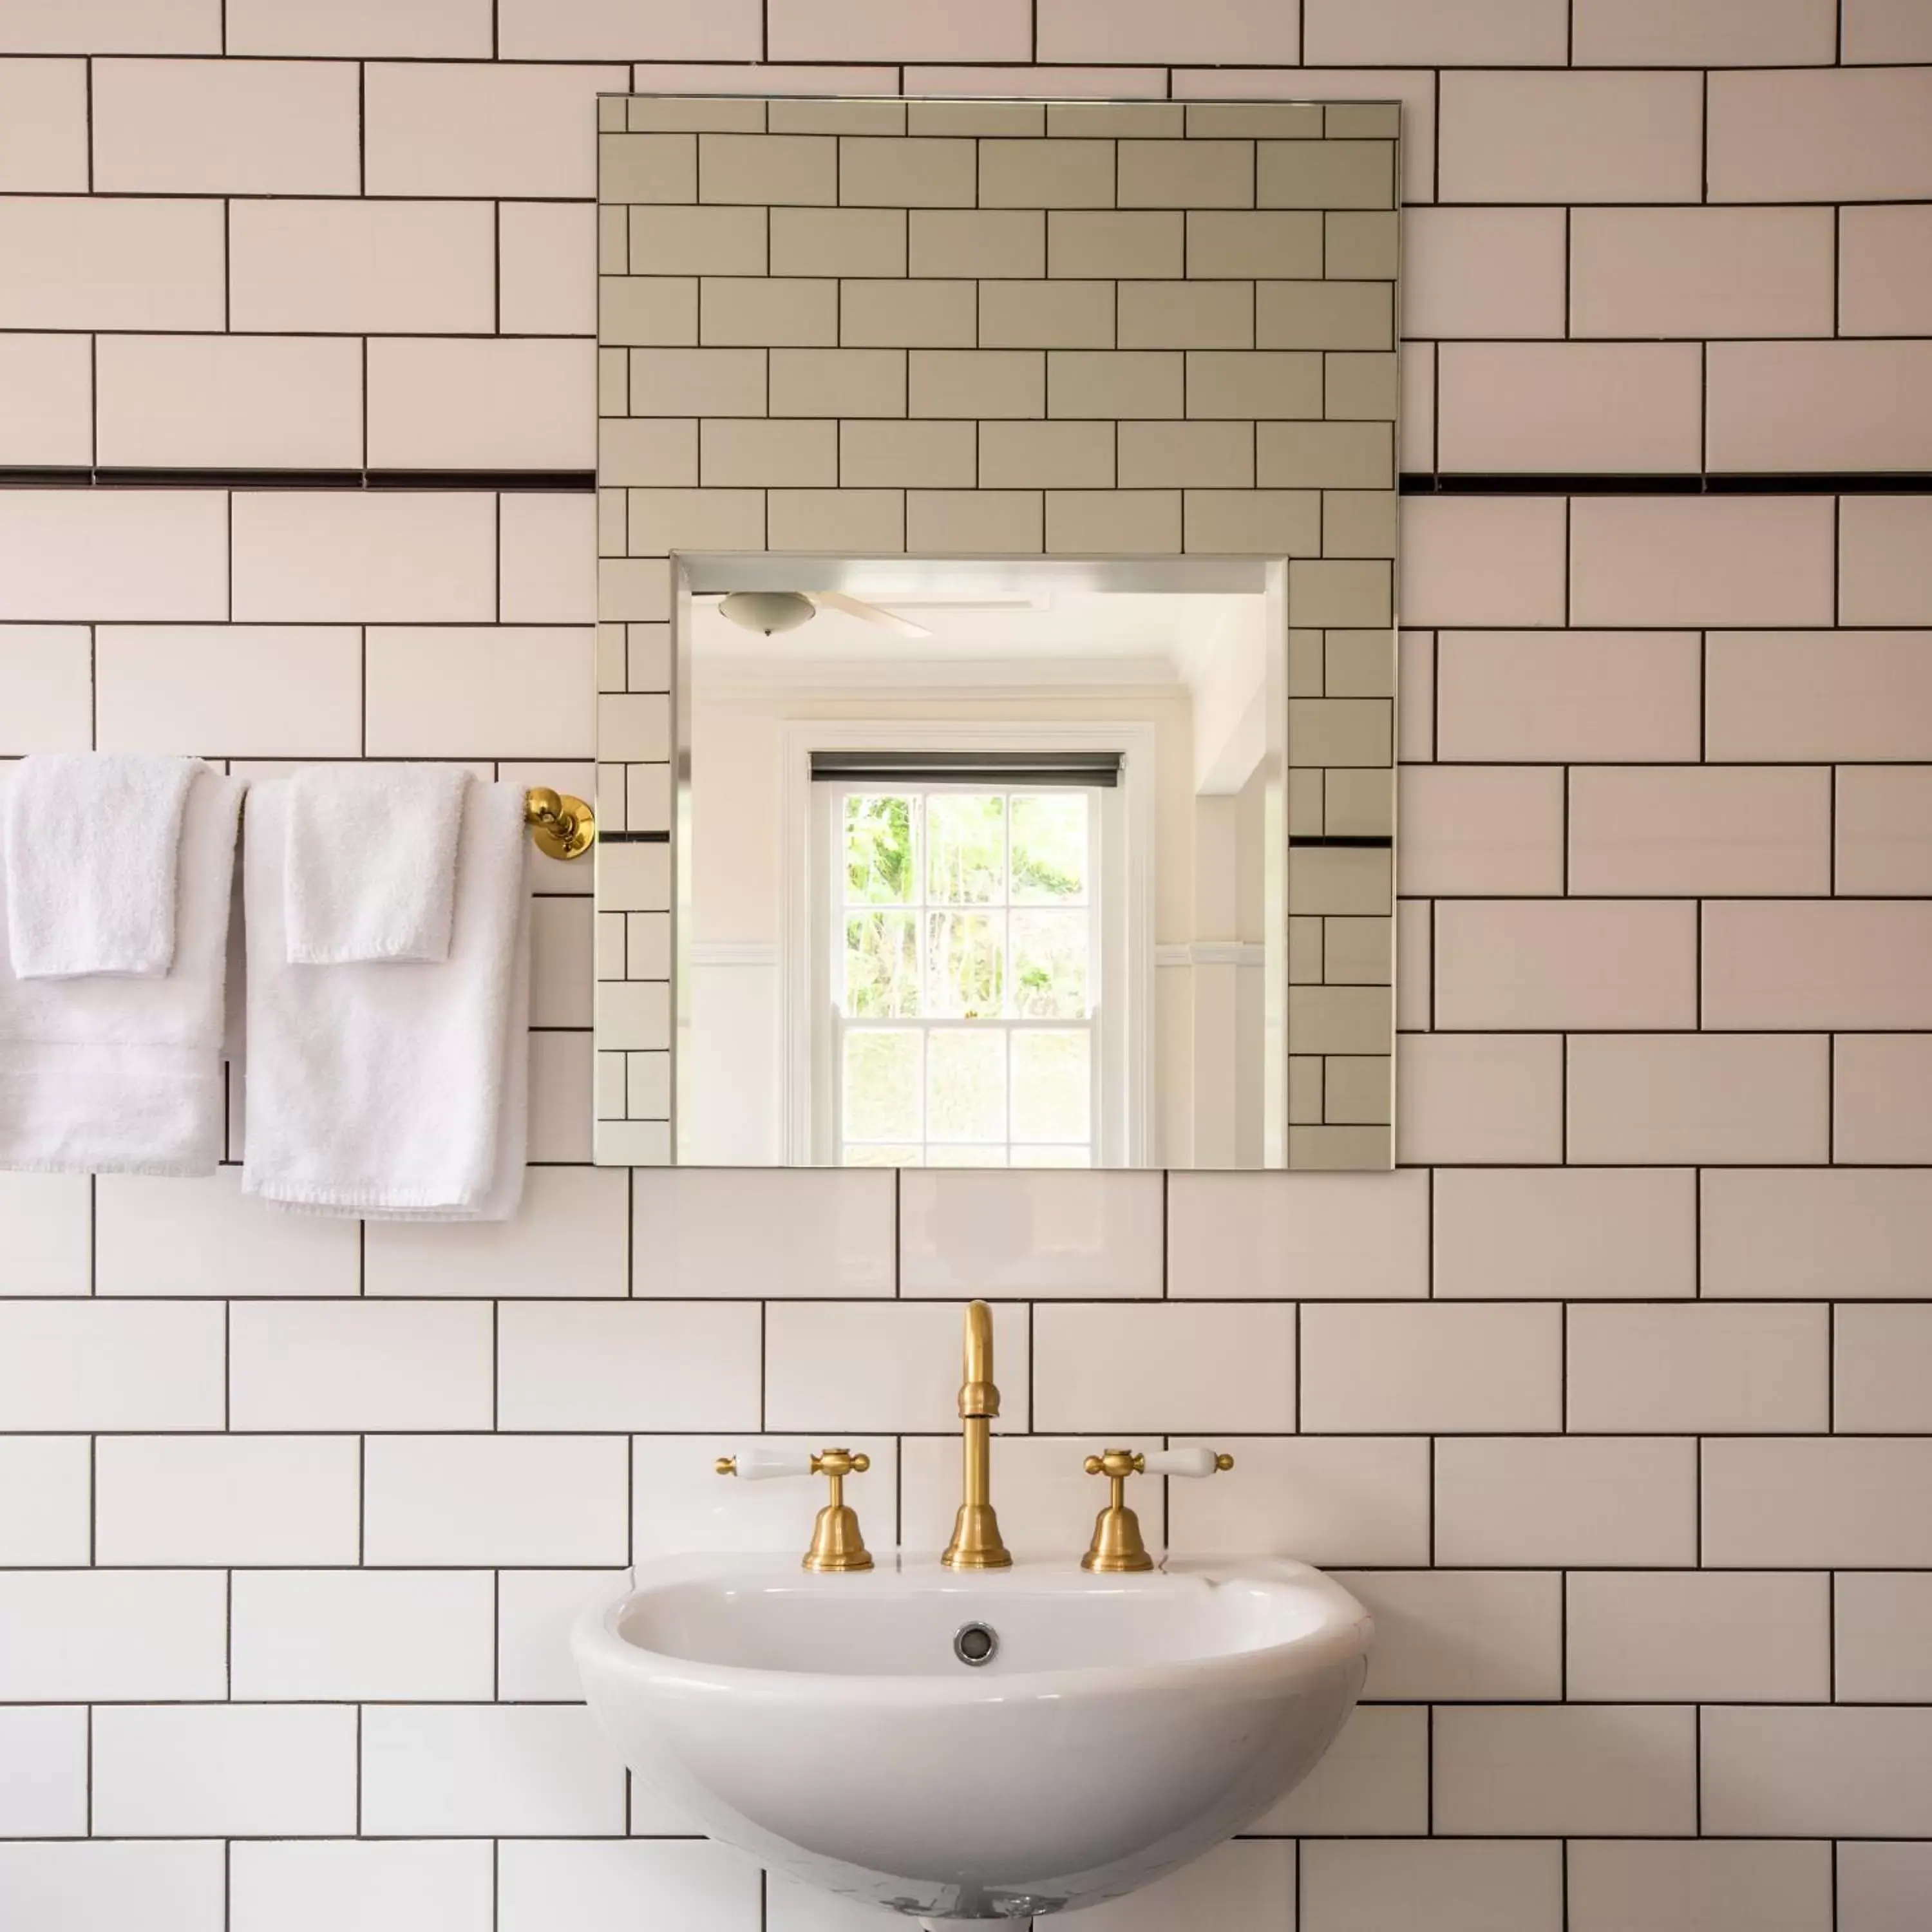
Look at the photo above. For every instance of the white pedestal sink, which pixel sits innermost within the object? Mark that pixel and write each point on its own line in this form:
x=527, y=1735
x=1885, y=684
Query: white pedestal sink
x=830, y=1727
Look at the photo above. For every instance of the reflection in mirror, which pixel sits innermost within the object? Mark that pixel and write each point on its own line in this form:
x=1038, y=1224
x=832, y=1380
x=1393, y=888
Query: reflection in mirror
x=985, y=865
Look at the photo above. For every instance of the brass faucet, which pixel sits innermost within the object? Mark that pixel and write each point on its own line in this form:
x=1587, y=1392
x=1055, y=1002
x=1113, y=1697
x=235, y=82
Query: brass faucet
x=976, y=1543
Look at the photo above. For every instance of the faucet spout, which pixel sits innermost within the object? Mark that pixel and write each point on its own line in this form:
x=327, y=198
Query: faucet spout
x=976, y=1544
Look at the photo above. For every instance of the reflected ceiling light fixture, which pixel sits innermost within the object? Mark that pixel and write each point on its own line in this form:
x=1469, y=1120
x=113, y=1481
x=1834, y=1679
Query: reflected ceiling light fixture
x=771, y=611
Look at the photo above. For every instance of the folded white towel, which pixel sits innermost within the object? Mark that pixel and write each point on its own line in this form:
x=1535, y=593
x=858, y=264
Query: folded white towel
x=384, y=1088
x=372, y=862
x=93, y=840
x=120, y=1075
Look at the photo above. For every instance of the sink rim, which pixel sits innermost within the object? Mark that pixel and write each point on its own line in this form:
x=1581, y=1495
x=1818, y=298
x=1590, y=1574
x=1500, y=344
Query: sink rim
x=1345, y=1630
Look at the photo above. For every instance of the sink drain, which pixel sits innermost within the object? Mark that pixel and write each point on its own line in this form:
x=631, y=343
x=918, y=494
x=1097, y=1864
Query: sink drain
x=976, y=1644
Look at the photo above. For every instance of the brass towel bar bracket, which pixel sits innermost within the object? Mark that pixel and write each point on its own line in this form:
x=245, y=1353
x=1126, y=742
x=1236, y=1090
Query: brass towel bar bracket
x=562, y=827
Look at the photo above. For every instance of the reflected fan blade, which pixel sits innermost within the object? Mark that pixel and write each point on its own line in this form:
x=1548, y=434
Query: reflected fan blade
x=887, y=620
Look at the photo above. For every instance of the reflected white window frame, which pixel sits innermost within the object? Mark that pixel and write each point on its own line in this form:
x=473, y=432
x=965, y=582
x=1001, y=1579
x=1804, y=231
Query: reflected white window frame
x=1126, y=1133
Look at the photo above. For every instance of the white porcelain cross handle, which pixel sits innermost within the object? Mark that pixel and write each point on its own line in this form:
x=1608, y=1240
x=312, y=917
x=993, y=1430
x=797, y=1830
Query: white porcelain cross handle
x=766, y=1460
x=1195, y=1461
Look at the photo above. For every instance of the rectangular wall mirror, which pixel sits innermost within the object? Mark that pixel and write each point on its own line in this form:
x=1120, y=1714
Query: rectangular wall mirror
x=997, y=667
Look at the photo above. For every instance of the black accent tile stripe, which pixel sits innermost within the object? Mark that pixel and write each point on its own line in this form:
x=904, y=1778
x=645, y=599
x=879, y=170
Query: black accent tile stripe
x=633, y=838
x=1378, y=841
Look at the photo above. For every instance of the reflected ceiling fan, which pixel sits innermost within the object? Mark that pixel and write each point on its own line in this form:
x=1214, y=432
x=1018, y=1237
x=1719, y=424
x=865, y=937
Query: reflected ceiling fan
x=771, y=611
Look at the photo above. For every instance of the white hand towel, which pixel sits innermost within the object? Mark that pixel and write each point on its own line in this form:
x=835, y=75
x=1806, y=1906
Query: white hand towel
x=93, y=841
x=119, y=1074
x=395, y=1090
x=372, y=862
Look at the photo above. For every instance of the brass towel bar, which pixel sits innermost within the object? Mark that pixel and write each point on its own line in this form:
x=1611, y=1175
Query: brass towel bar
x=563, y=826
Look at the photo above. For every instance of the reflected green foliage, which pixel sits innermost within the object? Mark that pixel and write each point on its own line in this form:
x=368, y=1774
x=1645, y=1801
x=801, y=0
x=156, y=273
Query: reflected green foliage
x=882, y=965
x=966, y=848
x=966, y=964
x=880, y=868
x=1050, y=965
x=1049, y=847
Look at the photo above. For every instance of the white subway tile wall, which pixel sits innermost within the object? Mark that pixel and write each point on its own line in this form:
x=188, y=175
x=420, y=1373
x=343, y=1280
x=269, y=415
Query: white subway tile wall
x=292, y=1513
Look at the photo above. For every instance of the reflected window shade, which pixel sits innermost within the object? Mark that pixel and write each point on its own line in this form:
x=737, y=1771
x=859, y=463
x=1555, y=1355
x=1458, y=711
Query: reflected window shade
x=997, y=770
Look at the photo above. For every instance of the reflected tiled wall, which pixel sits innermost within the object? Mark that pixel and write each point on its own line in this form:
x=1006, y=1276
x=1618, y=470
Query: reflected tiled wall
x=1613, y=1402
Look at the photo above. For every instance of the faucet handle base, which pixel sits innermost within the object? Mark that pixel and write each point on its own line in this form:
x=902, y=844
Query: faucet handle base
x=976, y=1543
x=836, y=1543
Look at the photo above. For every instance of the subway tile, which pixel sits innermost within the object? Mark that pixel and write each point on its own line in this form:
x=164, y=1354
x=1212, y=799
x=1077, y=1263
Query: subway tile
x=1738, y=1368
x=446, y=128
x=845, y=382
x=226, y=1499
x=1473, y=560
x=1822, y=1503
x=1114, y=522
x=48, y=381
x=596, y=1887
x=1583, y=697
x=244, y=1770
x=1333, y=1500
x=350, y=266
x=43, y=1772
x=47, y=1225
x=1820, y=1234
x=1565, y=964
x=229, y=690
x=1822, y=134
x=43, y=126
x=1853, y=963
x=1795, y=694
x=1742, y=1099
x=535, y=1608
x=1450, y=1884
x=221, y=126
x=545, y=250
x=932, y=455
x=1571, y=137
x=1622, y=408
x=458, y=27
x=1242, y=1882
x=761, y=169
x=1372, y=1782
x=482, y=405
x=1883, y=1888
x=1467, y=829
x=648, y=310
x=618, y=1365
x=102, y=1636
x=1884, y=574
x=1342, y=315
x=1881, y=1356
x=1693, y=1885
x=1882, y=1630
x=1717, y=33
x=1885, y=30
x=1203, y=1367
x=337, y=556
x=89, y=262
x=46, y=1500
x=875, y=314
x=228, y=402
x=801, y=30
x=1816, y=1772
x=819, y=1235
x=1444, y=1636
x=323, y=1635
x=1701, y=272
x=168, y=1887
x=546, y=572
x=1431, y=1369
x=494, y=1499
x=863, y=242
x=1728, y=830
x=854, y=522
x=1715, y=560
x=1620, y=1769
x=487, y=1771
x=1306, y=1236
x=291, y=1886
x=1882, y=825
x=1596, y=1501
x=1885, y=270
x=82, y=1364
x=880, y=1366
x=1576, y=1233
x=353, y=1364
x=1840, y=406
x=1482, y=272
x=1479, y=1099
x=1466, y=32
x=1056, y=1235
x=101, y=555
x=1222, y=30
x=1059, y=314
x=415, y=676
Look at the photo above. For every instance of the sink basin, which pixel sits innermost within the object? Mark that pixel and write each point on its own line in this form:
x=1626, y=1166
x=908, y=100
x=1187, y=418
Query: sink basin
x=829, y=1727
